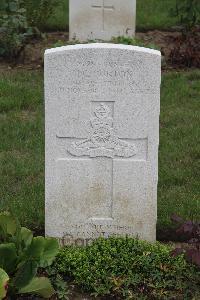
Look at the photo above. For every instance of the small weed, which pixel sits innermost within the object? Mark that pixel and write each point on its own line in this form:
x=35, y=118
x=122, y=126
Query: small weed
x=60, y=286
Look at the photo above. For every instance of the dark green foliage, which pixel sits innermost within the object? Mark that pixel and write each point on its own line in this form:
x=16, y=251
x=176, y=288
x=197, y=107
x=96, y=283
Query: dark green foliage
x=188, y=12
x=130, y=269
x=21, y=255
x=60, y=285
x=14, y=29
x=19, y=20
x=38, y=11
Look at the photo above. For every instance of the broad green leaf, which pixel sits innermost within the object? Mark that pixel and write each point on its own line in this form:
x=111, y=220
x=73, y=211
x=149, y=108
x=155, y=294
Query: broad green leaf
x=8, y=225
x=3, y=283
x=40, y=286
x=51, y=248
x=26, y=237
x=25, y=273
x=8, y=257
x=36, y=248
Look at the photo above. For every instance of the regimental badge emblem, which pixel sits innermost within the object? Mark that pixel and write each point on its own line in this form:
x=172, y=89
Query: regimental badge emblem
x=102, y=140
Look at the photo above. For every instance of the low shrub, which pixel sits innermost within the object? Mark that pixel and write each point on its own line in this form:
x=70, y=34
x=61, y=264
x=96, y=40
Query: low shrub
x=188, y=13
x=129, y=269
x=38, y=11
x=21, y=20
x=14, y=28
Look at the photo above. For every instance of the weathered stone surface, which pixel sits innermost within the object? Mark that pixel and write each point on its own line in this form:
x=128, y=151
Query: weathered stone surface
x=102, y=136
x=101, y=19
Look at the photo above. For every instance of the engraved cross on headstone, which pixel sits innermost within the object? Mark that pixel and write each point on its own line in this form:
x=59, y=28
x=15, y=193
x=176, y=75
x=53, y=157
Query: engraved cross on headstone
x=103, y=8
x=103, y=146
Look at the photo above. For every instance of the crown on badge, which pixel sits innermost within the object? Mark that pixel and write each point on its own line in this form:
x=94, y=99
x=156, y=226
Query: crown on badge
x=102, y=111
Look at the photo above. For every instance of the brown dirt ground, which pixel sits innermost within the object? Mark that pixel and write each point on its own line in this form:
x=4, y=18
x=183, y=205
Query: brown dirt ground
x=32, y=56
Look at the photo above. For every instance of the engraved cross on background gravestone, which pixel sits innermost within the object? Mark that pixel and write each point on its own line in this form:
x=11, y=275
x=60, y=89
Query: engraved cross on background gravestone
x=102, y=8
x=103, y=145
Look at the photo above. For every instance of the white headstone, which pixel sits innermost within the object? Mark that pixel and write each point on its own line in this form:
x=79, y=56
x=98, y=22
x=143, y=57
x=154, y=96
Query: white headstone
x=101, y=19
x=102, y=136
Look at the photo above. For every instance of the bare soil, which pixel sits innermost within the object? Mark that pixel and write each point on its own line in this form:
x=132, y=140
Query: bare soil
x=32, y=55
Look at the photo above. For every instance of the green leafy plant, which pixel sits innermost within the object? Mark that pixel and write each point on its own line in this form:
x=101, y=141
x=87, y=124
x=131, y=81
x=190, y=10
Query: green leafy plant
x=61, y=288
x=3, y=283
x=14, y=29
x=21, y=255
x=129, y=269
x=188, y=12
x=60, y=285
x=38, y=11
x=20, y=20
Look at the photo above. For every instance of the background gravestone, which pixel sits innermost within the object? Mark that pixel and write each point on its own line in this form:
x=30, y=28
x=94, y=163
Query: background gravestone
x=101, y=19
x=102, y=136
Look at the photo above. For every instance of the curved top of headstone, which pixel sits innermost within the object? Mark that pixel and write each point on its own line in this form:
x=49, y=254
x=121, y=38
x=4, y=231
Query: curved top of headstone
x=102, y=46
x=133, y=67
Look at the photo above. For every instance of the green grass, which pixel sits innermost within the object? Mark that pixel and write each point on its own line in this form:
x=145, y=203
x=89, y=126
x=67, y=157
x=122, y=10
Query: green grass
x=22, y=146
x=151, y=14
x=155, y=14
x=179, y=176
